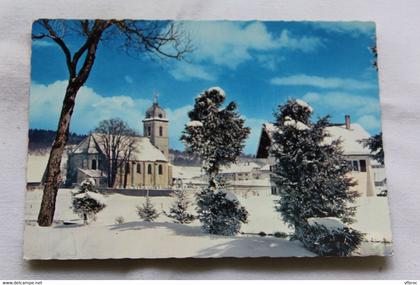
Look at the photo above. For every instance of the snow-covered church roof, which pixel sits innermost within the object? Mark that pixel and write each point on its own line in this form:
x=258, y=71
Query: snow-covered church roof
x=143, y=150
x=350, y=137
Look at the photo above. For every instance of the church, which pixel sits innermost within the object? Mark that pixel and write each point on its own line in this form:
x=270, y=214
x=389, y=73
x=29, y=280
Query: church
x=148, y=166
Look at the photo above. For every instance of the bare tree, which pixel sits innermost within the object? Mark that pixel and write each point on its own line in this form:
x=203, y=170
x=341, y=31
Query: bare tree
x=160, y=38
x=117, y=140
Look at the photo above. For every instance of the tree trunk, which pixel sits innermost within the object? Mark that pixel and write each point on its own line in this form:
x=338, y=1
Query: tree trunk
x=52, y=181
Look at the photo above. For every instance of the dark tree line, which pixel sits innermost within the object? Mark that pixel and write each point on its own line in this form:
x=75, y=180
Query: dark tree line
x=40, y=139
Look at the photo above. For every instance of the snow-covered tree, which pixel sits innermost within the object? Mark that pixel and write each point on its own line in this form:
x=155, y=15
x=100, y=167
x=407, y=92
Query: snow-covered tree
x=217, y=135
x=311, y=175
x=147, y=211
x=86, y=201
x=220, y=212
x=179, y=210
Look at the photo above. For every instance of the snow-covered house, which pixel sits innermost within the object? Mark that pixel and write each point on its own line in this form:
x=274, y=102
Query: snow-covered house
x=358, y=156
x=241, y=171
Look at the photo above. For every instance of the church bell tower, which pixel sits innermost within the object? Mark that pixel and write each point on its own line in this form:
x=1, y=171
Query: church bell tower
x=155, y=127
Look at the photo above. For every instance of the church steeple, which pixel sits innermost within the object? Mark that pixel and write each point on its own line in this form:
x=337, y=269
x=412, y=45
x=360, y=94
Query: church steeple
x=155, y=126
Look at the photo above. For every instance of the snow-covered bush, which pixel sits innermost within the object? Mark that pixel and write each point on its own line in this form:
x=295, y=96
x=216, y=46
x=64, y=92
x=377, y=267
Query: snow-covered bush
x=86, y=201
x=217, y=135
x=220, y=213
x=179, y=210
x=119, y=220
x=280, y=235
x=147, y=211
x=328, y=240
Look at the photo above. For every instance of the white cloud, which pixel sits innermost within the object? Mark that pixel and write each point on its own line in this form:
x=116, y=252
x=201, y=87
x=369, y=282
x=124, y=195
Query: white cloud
x=353, y=28
x=184, y=71
x=322, y=82
x=128, y=79
x=365, y=109
x=229, y=43
x=42, y=43
x=344, y=101
x=305, y=43
x=270, y=61
x=91, y=108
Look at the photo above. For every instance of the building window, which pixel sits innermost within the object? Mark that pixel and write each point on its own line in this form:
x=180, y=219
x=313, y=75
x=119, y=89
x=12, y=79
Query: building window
x=273, y=190
x=160, y=131
x=160, y=115
x=160, y=169
x=94, y=164
x=149, y=131
x=362, y=165
x=149, y=169
x=355, y=166
x=138, y=168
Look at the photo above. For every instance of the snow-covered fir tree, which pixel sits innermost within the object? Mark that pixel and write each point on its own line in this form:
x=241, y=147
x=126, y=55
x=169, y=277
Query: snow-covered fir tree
x=179, y=210
x=311, y=175
x=217, y=135
x=86, y=201
x=220, y=212
x=147, y=211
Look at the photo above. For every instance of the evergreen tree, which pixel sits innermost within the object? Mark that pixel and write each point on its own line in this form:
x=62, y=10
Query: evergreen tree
x=311, y=175
x=147, y=211
x=217, y=135
x=220, y=212
x=179, y=210
x=87, y=202
x=375, y=146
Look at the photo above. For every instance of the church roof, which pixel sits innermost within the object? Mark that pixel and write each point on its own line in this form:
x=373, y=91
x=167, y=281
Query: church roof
x=143, y=150
x=350, y=137
x=155, y=112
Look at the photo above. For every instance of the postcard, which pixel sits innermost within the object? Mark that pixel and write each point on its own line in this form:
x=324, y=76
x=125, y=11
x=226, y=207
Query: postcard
x=176, y=139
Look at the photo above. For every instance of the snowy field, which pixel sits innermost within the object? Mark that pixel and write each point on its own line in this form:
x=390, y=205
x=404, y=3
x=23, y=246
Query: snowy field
x=104, y=238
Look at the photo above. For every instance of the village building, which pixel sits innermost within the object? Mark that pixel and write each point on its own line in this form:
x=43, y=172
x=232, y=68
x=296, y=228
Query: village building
x=359, y=157
x=241, y=171
x=147, y=167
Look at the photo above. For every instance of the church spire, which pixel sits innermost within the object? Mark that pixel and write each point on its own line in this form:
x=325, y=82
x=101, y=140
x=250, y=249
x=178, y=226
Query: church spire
x=155, y=98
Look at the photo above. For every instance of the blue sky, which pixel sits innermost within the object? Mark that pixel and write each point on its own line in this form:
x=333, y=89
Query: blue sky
x=258, y=64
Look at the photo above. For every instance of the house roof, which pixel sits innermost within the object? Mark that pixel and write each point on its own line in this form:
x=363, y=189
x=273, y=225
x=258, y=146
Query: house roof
x=350, y=137
x=143, y=150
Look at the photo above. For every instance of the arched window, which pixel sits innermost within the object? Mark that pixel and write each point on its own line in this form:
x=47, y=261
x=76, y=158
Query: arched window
x=160, y=115
x=149, y=169
x=138, y=168
x=149, y=131
x=127, y=167
x=160, y=169
x=160, y=131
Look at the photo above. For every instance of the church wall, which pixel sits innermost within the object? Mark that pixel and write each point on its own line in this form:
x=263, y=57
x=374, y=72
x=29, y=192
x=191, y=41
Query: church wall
x=84, y=161
x=144, y=179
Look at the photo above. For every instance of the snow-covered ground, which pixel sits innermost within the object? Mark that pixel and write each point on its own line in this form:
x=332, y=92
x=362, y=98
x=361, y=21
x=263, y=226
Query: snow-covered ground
x=104, y=238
